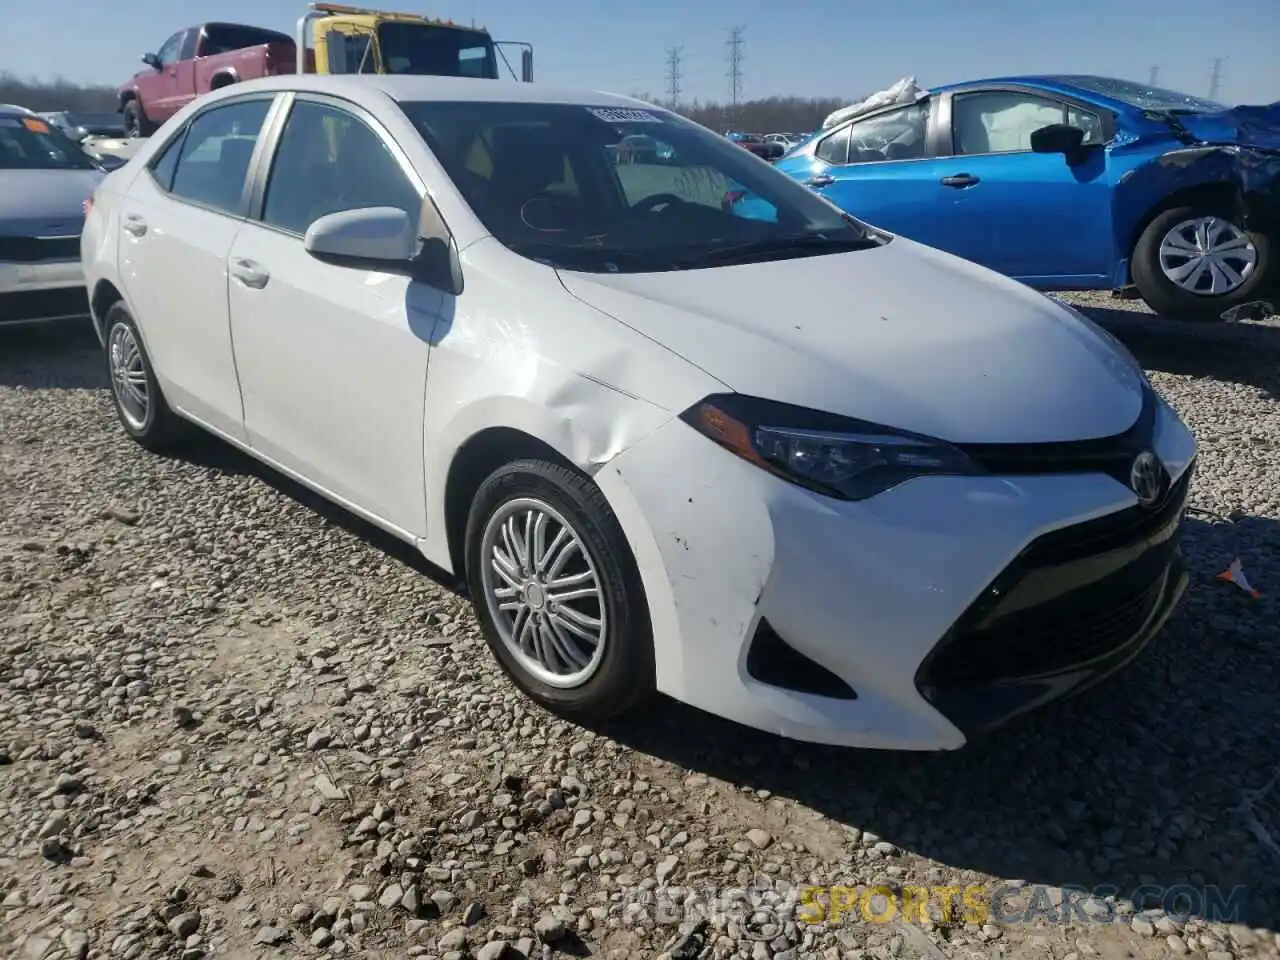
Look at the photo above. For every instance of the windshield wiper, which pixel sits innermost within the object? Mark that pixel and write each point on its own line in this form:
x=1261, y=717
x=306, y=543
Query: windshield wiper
x=802, y=244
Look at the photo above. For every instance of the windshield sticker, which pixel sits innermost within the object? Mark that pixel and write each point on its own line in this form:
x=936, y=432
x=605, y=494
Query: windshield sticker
x=34, y=125
x=623, y=115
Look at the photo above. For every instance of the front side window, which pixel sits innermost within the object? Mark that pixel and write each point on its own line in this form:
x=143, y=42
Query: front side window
x=425, y=49
x=215, y=155
x=168, y=53
x=613, y=189
x=328, y=161
x=350, y=52
x=30, y=143
x=900, y=134
x=999, y=121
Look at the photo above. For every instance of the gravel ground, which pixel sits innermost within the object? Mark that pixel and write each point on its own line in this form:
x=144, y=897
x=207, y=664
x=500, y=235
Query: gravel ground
x=236, y=722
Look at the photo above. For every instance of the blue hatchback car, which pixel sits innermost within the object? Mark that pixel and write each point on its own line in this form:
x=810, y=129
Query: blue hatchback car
x=1068, y=182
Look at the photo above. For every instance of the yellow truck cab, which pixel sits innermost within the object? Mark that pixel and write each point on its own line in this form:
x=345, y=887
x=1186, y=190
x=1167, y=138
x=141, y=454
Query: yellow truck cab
x=336, y=38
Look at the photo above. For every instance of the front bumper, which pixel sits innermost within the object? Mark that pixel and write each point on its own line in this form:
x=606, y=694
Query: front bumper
x=873, y=624
x=41, y=292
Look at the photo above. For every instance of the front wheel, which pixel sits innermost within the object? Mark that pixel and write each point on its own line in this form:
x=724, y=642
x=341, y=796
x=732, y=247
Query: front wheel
x=557, y=591
x=136, y=123
x=1194, y=263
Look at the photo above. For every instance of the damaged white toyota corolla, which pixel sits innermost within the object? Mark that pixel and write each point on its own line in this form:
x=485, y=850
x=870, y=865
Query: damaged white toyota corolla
x=820, y=480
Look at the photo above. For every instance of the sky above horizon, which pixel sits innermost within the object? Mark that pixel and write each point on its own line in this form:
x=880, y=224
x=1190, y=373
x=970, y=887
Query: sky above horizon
x=844, y=51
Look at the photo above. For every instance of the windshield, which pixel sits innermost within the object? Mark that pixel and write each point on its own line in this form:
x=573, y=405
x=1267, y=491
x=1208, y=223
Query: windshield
x=1143, y=96
x=425, y=49
x=98, y=123
x=29, y=143
x=608, y=189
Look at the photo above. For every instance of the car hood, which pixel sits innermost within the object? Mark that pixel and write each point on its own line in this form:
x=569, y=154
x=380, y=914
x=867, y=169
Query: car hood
x=901, y=335
x=44, y=200
x=1247, y=126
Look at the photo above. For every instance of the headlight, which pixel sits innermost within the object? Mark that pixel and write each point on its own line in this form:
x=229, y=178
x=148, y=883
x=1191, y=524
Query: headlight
x=833, y=455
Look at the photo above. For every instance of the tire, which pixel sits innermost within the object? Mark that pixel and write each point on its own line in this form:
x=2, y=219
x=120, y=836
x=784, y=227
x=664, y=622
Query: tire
x=156, y=426
x=136, y=123
x=620, y=673
x=1168, y=298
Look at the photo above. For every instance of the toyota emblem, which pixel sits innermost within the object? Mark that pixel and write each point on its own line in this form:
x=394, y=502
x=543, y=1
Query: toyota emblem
x=1146, y=477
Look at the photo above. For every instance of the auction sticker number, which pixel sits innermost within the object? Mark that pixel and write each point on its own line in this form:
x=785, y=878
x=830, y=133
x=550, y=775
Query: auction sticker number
x=623, y=115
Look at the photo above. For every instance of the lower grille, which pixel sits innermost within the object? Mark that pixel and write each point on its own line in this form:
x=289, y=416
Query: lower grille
x=44, y=304
x=1071, y=603
x=39, y=249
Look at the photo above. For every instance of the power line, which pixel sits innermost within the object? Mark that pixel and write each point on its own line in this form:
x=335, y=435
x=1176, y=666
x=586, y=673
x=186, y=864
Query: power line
x=735, y=43
x=1155, y=74
x=673, y=74
x=1215, y=78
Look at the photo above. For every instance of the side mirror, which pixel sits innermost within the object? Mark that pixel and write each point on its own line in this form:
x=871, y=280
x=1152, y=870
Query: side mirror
x=526, y=65
x=384, y=239
x=1058, y=138
x=151, y=60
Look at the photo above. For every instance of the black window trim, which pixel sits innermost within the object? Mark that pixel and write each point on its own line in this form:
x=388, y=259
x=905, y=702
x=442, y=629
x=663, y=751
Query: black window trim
x=179, y=138
x=931, y=140
x=269, y=145
x=946, y=133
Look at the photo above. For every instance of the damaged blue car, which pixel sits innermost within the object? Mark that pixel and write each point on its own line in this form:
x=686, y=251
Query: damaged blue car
x=1068, y=182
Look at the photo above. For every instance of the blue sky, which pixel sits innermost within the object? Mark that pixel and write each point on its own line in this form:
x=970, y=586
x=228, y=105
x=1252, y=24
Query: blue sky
x=839, y=48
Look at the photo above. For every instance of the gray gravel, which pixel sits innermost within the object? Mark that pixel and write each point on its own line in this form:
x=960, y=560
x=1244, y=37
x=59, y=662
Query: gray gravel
x=235, y=722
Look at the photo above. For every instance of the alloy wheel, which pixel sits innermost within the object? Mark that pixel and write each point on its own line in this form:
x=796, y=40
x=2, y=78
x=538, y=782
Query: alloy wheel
x=128, y=376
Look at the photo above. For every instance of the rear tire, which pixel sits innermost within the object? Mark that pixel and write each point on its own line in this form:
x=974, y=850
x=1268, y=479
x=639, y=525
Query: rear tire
x=140, y=404
x=596, y=580
x=1172, y=248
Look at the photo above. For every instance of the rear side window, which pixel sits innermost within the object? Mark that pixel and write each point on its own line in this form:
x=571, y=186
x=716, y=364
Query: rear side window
x=213, y=160
x=328, y=161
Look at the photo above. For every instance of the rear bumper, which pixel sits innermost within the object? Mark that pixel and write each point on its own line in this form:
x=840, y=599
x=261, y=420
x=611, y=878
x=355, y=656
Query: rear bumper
x=42, y=292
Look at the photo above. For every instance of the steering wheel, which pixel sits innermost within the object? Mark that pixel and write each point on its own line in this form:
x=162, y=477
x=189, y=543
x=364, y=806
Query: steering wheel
x=651, y=203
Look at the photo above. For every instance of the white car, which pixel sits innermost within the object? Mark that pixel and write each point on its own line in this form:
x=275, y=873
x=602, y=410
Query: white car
x=45, y=179
x=823, y=481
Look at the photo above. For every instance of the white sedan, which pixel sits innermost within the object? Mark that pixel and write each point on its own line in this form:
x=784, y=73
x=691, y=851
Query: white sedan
x=791, y=470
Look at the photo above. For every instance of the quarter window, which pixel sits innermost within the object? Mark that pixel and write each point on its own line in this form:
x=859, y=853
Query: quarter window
x=215, y=155
x=329, y=161
x=1003, y=121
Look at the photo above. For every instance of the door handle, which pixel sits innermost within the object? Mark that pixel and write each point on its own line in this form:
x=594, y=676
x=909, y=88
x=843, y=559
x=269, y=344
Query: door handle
x=961, y=180
x=135, y=225
x=249, y=273
x=821, y=180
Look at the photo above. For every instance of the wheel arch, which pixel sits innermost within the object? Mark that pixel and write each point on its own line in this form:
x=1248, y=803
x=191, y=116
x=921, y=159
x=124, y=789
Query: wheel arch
x=480, y=455
x=1217, y=192
x=105, y=295
x=223, y=78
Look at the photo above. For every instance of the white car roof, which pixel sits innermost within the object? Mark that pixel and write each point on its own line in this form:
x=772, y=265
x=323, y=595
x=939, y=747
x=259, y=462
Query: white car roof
x=404, y=89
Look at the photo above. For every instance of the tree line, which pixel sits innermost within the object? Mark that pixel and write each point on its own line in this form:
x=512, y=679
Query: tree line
x=59, y=94
x=769, y=115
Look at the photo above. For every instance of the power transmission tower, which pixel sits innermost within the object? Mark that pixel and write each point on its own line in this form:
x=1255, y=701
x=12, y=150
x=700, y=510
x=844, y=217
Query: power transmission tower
x=1155, y=74
x=1215, y=78
x=673, y=74
x=735, y=71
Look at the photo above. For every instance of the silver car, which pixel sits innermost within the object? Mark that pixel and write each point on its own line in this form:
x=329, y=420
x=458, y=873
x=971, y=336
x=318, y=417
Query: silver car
x=45, y=180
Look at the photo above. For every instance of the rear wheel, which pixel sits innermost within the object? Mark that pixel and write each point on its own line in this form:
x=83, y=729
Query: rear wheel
x=139, y=402
x=557, y=591
x=1195, y=262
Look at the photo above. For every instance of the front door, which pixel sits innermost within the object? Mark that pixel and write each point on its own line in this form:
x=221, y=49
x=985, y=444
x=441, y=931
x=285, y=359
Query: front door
x=1031, y=216
x=333, y=360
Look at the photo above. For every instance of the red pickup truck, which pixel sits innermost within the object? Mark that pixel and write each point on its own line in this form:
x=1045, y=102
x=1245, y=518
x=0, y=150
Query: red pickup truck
x=195, y=61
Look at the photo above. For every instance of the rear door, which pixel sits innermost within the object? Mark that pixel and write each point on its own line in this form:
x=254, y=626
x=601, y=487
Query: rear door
x=333, y=360
x=177, y=223
x=1031, y=216
x=882, y=169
